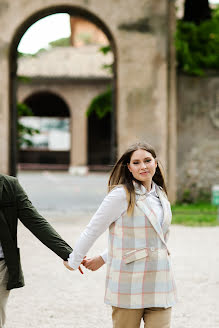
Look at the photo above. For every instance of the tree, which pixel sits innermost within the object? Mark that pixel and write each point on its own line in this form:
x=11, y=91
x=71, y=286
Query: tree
x=196, y=11
x=197, y=45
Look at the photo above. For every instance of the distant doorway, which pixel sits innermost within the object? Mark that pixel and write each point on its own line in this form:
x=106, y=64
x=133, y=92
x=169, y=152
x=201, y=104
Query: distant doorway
x=99, y=142
x=50, y=148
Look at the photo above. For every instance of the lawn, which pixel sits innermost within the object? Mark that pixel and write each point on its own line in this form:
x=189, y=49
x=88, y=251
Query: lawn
x=201, y=214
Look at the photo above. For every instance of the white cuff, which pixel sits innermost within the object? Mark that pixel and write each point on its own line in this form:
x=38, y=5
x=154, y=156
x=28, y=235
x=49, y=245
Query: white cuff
x=72, y=261
x=104, y=255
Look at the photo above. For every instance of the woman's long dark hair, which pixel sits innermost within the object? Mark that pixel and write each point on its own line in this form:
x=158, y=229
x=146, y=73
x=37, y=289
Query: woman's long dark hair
x=122, y=176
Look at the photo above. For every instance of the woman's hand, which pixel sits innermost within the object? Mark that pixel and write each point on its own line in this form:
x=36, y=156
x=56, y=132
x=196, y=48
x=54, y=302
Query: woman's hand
x=93, y=263
x=70, y=268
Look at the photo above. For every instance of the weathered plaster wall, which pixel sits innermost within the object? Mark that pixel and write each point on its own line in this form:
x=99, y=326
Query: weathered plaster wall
x=198, y=135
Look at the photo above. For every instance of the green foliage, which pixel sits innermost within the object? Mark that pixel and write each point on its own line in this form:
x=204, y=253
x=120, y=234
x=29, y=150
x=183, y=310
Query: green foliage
x=204, y=196
x=63, y=42
x=197, y=46
x=23, y=131
x=187, y=197
x=101, y=104
x=23, y=79
x=195, y=195
x=108, y=67
x=23, y=110
x=86, y=38
x=105, y=49
x=215, y=12
x=21, y=54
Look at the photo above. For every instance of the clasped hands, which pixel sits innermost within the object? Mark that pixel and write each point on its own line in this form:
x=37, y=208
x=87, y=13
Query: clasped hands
x=93, y=263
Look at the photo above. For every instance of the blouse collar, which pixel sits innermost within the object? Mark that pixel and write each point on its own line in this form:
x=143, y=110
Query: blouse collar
x=141, y=190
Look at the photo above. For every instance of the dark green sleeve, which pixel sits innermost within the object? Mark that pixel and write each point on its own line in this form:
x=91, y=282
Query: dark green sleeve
x=29, y=216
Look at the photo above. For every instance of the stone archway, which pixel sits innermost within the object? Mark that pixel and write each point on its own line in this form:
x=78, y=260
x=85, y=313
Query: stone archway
x=144, y=79
x=73, y=11
x=51, y=148
x=47, y=103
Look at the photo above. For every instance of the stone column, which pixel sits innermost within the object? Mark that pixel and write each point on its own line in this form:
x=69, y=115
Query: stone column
x=172, y=106
x=143, y=79
x=78, y=155
x=4, y=110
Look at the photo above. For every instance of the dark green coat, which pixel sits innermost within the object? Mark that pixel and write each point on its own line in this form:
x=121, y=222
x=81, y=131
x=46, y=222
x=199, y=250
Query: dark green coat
x=15, y=204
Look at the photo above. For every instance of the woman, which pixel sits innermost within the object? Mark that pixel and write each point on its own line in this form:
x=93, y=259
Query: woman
x=139, y=282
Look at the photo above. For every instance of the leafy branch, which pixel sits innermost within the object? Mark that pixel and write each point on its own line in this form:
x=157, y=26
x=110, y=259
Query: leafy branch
x=23, y=131
x=197, y=45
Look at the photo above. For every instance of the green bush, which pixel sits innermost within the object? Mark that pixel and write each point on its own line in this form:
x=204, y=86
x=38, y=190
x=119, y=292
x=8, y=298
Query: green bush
x=194, y=195
x=187, y=197
x=197, y=46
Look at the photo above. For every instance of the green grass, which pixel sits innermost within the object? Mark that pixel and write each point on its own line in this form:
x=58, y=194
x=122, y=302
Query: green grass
x=201, y=214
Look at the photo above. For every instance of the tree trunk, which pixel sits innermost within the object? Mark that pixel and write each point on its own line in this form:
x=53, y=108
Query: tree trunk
x=196, y=11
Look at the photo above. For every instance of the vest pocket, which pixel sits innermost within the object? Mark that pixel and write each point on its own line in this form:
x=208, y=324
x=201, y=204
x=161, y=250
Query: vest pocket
x=135, y=255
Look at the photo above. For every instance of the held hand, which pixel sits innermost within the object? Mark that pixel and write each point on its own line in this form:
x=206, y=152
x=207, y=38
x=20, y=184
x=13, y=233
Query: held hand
x=67, y=266
x=93, y=263
x=70, y=268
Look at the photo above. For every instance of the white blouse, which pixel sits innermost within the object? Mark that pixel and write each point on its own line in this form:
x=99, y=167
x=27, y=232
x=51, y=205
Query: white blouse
x=113, y=206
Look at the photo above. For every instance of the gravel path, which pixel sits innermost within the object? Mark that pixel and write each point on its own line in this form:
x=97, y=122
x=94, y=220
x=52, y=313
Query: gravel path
x=57, y=298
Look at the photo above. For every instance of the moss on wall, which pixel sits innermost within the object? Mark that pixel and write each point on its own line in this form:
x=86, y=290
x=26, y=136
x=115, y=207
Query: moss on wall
x=141, y=25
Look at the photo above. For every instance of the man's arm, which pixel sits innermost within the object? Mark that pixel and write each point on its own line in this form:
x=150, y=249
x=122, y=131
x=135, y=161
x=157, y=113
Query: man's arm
x=29, y=216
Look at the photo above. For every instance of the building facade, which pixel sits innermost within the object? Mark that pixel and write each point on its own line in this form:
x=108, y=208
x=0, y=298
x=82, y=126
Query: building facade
x=144, y=71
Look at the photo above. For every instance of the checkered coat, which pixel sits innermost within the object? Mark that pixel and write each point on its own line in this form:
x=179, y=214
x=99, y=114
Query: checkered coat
x=139, y=273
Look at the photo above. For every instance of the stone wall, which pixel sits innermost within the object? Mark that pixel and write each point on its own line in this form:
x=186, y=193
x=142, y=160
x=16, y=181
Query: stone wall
x=198, y=136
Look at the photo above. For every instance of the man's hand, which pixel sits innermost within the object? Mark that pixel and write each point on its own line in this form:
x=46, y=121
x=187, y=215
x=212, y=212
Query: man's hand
x=93, y=263
x=70, y=268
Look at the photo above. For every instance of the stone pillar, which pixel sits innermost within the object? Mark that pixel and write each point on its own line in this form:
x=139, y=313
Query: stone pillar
x=78, y=155
x=172, y=106
x=4, y=110
x=143, y=79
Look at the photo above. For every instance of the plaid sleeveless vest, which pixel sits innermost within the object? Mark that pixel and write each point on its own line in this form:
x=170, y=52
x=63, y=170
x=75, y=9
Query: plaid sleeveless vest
x=139, y=273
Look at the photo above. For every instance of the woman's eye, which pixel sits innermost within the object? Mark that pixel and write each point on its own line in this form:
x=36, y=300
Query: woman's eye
x=148, y=161
x=135, y=162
